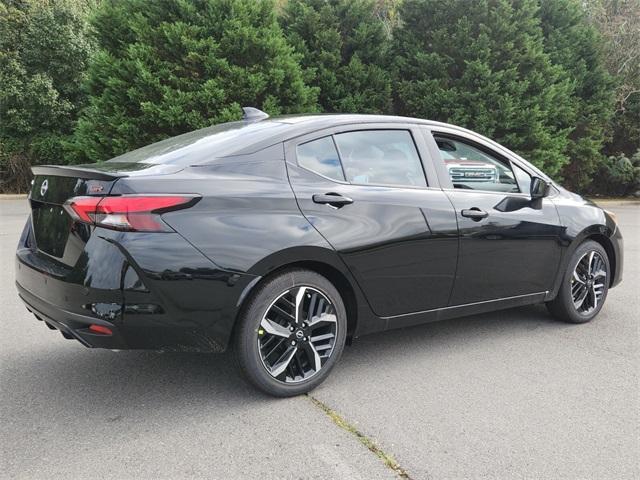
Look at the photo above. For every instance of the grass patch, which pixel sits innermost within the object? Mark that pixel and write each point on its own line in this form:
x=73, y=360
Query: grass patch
x=386, y=458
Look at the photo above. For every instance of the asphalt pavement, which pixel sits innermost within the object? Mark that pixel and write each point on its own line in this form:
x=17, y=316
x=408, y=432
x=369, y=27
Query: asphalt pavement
x=511, y=394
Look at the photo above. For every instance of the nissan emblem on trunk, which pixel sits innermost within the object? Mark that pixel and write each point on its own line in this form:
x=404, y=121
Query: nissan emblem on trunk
x=44, y=187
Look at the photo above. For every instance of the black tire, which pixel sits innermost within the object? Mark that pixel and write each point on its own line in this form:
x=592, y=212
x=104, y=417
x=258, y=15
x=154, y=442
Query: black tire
x=563, y=307
x=252, y=342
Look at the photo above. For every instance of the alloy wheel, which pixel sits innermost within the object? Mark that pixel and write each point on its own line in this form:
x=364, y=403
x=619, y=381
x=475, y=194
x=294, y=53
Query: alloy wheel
x=588, y=282
x=297, y=334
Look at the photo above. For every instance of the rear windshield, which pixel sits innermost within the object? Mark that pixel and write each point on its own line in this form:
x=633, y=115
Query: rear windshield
x=206, y=144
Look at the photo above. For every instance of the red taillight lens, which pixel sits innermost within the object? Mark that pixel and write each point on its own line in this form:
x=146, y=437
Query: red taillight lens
x=140, y=213
x=82, y=207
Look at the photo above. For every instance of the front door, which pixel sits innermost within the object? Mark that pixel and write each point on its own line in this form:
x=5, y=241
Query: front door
x=366, y=192
x=509, y=244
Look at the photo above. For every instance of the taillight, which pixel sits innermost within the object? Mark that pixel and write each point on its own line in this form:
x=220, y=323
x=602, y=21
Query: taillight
x=82, y=208
x=134, y=213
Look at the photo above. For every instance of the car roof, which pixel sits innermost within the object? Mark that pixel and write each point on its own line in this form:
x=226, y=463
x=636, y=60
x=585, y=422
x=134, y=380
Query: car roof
x=308, y=123
x=322, y=120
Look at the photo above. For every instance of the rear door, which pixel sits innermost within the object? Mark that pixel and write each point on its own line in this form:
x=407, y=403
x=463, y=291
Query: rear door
x=509, y=245
x=367, y=191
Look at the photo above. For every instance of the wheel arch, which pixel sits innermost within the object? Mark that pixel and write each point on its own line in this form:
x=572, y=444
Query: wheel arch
x=339, y=280
x=320, y=260
x=598, y=233
x=607, y=244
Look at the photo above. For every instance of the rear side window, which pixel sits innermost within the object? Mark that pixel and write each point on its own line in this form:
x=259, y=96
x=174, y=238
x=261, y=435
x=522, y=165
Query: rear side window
x=380, y=157
x=321, y=156
x=366, y=157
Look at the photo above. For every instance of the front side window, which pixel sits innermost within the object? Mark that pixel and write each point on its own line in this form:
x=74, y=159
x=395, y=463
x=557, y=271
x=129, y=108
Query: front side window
x=471, y=168
x=380, y=157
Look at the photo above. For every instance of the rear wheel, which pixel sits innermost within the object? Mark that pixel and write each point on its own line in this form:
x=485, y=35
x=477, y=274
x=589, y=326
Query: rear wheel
x=291, y=333
x=585, y=285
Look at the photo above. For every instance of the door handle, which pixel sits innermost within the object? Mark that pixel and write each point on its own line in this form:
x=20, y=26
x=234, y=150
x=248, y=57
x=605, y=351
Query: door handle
x=474, y=214
x=333, y=199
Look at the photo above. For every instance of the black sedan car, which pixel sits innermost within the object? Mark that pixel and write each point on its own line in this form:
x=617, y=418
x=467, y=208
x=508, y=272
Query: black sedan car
x=285, y=238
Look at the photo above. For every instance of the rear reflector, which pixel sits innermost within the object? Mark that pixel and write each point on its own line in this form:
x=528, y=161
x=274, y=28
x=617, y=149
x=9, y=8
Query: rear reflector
x=99, y=329
x=135, y=213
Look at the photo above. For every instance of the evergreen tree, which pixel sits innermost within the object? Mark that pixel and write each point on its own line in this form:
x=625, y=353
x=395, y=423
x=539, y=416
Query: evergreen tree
x=173, y=66
x=618, y=22
x=482, y=65
x=626, y=126
x=576, y=46
x=44, y=52
x=344, y=48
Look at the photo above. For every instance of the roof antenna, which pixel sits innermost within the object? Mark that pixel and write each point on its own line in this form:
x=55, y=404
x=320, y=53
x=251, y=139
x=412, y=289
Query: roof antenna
x=251, y=114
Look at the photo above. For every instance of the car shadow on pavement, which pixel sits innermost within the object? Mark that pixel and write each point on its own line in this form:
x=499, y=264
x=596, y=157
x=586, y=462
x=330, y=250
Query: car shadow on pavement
x=81, y=381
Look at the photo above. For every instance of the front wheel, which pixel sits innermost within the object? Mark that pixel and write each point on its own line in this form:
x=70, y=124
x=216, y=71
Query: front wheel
x=291, y=333
x=584, y=286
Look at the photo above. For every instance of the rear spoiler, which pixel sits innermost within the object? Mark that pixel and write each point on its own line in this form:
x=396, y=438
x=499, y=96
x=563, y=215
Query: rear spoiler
x=76, y=172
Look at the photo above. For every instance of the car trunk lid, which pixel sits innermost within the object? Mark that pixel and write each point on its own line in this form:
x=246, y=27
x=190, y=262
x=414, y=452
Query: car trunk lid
x=55, y=233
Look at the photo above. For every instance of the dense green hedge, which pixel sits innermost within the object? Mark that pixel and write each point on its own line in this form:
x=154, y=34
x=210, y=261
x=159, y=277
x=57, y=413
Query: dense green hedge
x=84, y=80
x=164, y=68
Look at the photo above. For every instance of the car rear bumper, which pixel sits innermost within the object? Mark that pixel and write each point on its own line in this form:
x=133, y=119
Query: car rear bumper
x=72, y=325
x=153, y=291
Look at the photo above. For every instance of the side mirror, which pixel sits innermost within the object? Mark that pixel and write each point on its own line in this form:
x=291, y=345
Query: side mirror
x=539, y=188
